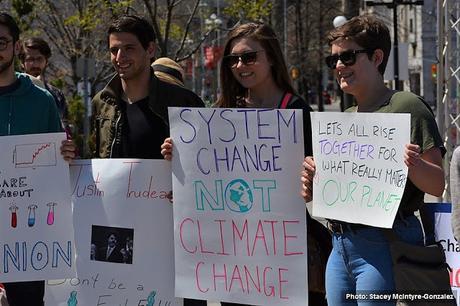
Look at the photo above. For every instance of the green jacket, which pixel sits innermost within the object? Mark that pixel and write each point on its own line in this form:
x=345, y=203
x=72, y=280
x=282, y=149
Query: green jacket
x=28, y=110
x=108, y=117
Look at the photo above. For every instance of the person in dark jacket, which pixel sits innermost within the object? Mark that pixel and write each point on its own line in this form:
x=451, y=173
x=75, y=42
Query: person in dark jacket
x=34, y=56
x=130, y=115
x=111, y=252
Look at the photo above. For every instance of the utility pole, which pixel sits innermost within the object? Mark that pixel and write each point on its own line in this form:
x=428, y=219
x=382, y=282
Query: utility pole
x=350, y=9
x=394, y=5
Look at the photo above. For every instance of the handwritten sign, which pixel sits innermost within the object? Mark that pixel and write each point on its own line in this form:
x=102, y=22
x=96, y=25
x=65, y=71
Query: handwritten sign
x=240, y=221
x=124, y=240
x=360, y=170
x=442, y=214
x=36, y=228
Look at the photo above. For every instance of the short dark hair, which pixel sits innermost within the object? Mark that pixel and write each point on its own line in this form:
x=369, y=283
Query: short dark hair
x=368, y=32
x=35, y=43
x=7, y=21
x=135, y=25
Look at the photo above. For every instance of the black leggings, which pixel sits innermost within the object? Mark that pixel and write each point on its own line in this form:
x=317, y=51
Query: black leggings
x=25, y=293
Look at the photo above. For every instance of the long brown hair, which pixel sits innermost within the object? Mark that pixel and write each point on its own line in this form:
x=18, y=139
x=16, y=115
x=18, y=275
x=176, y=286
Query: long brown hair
x=233, y=93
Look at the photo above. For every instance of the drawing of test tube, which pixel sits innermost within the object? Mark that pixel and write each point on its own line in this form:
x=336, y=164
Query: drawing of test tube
x=31, y=218
x=50, y=217
x=14, y=215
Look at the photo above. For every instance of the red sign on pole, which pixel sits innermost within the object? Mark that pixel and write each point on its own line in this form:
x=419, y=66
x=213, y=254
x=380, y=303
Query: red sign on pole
x=212, y=54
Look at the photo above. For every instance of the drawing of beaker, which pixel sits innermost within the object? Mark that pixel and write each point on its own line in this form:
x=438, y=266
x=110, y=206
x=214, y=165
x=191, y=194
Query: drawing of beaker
x=31, y=218
x=50, y=217
x=14, y=215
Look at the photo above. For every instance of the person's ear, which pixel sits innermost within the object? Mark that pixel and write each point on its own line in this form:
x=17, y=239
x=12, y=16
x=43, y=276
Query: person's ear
x=151, y=48
x=377, y=57
x=17, y=47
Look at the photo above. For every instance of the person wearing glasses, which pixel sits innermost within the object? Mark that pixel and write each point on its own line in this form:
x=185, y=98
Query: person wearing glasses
x=254, y=75
x=360, y=261
x=34, y=56
x=24, y=109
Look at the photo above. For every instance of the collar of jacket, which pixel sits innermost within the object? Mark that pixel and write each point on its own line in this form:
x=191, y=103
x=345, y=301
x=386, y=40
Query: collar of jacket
x=112, y=94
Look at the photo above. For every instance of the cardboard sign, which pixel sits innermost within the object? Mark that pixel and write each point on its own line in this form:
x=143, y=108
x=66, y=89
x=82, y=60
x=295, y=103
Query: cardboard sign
x=360, y=171
x=442, y=214
x=36, y=228
x=124, y=239
x=240, y=233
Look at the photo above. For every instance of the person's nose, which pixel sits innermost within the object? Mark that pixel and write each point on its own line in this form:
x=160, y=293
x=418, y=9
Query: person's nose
x=240, y=63
x=120, y=54
x=339, y=64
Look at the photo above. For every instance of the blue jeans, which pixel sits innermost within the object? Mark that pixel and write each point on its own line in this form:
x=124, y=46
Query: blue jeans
x=360, y=262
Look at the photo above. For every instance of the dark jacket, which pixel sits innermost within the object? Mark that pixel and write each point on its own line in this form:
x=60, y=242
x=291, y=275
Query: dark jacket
x=115, y=256
x=60, y=100
x=107, y=118
x=297, y=102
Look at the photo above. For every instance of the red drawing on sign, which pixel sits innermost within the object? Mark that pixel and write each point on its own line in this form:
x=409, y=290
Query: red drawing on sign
x=35, y=155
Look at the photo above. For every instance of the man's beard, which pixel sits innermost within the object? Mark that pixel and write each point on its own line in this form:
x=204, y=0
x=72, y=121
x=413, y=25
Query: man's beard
x=5, y=66
x=36, y=72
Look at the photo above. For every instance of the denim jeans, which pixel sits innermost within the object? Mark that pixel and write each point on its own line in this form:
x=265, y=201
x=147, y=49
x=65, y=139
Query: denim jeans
x=360, y=263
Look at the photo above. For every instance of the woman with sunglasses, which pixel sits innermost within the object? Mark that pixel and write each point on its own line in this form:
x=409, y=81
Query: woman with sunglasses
x=254, y=74
x=360, y=261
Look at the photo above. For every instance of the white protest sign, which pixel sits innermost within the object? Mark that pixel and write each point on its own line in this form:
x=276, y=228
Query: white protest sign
x=443, y=233
x=124, y=239
x=240, y=233
x=360, y=171
x=36, y=227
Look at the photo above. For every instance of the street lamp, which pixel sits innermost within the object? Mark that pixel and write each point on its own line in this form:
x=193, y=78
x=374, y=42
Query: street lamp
x=339, y=21
x=215, y=23
x=346, y=100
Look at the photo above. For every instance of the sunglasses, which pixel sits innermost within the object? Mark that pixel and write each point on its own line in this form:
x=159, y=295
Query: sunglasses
x=348, y=58
x=247, y=58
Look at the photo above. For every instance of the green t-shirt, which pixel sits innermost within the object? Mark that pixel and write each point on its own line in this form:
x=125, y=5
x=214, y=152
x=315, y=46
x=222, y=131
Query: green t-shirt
x=424, y=132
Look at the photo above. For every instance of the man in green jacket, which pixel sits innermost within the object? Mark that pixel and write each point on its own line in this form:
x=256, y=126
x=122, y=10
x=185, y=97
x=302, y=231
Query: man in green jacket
x=24, y=109
x=130, y=115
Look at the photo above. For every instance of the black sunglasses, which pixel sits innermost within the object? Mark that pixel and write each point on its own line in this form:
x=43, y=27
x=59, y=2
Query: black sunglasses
x=247, y=58
x=348, y=58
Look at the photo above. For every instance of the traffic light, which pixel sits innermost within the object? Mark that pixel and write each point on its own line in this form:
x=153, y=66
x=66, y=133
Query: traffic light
x=434, y=71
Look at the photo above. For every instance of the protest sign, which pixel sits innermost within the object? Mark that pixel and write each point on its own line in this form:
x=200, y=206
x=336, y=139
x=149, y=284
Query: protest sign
x=239, y=218
x=124, y=240
x=442, y=214
x=360, y=171
x=36, y=231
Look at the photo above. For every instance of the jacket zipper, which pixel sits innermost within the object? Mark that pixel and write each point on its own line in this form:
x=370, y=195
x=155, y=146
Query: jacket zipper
x=115, y=136
x=10, y=114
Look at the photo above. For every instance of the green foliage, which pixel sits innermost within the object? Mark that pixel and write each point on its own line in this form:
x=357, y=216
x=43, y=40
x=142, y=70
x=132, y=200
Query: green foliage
x=22, y=7
x=76, y=112
x=75, y=120
x=252, y=10
x=59, y=83
x=95, y=12
x=176, y=31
